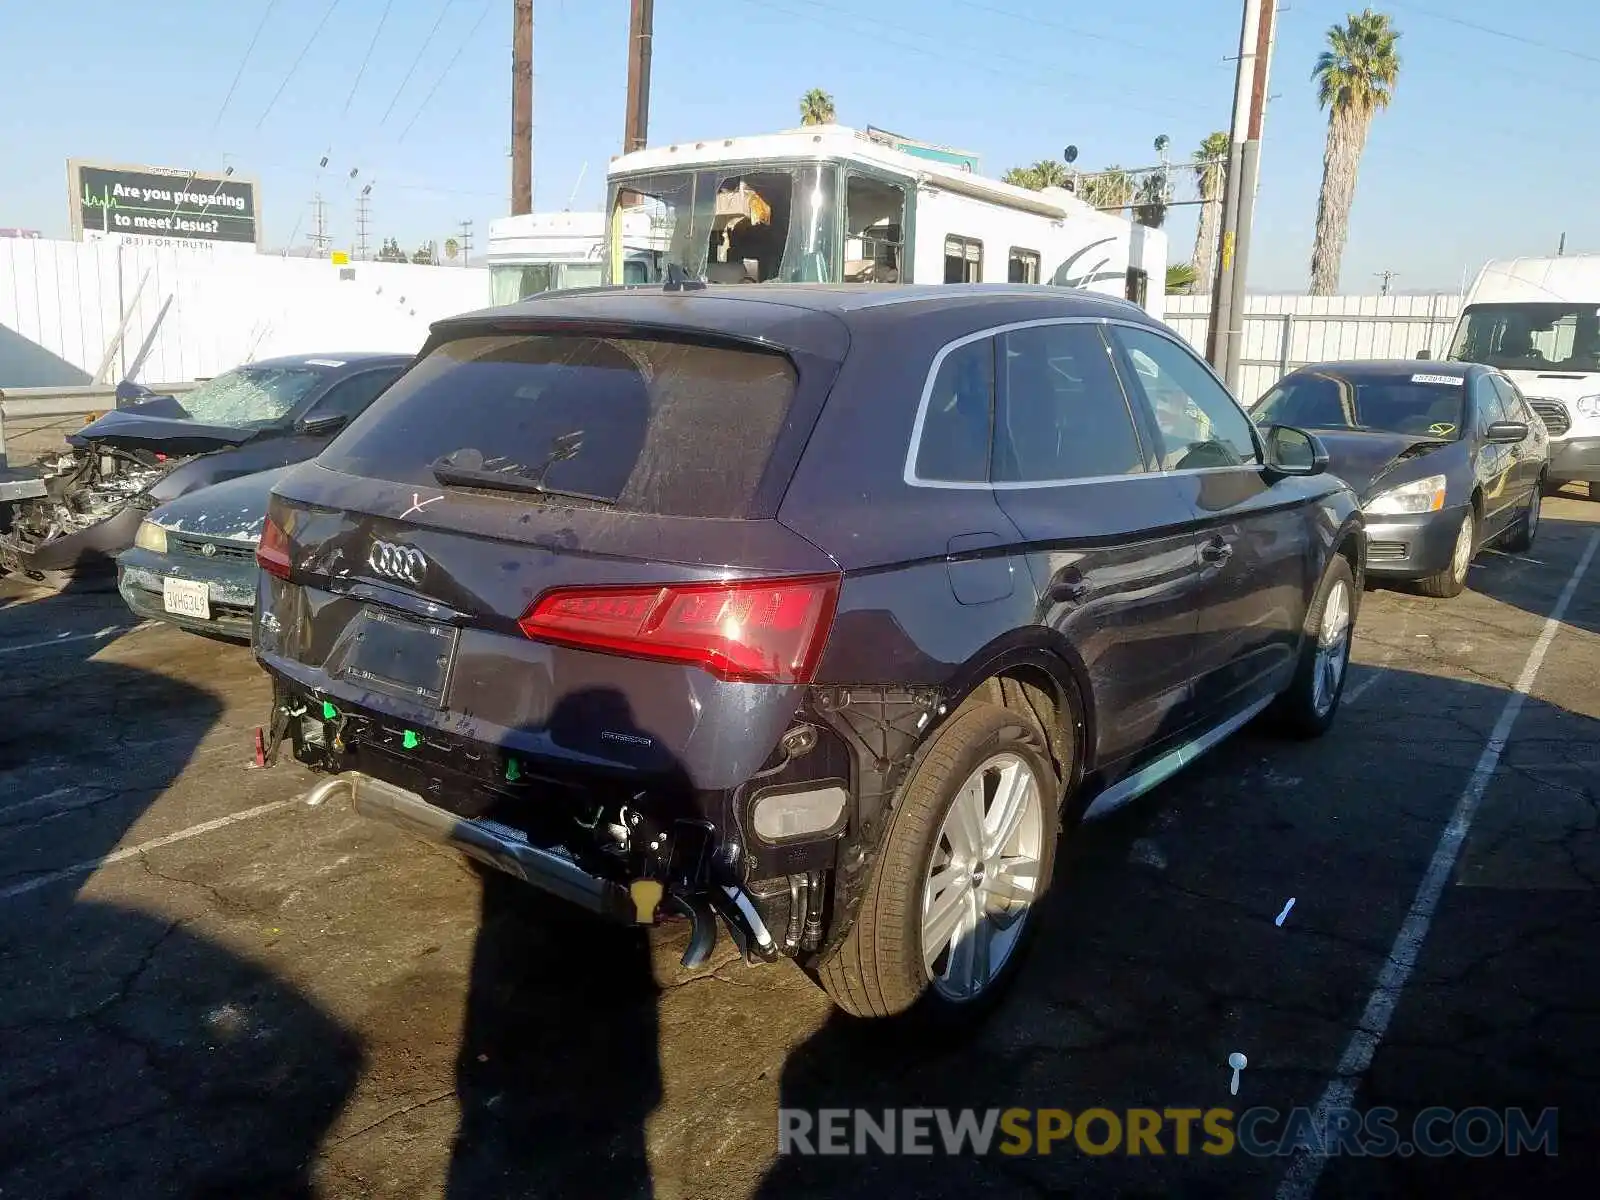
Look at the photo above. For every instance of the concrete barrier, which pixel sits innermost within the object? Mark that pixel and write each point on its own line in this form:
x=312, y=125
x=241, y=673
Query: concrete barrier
x=35, y=421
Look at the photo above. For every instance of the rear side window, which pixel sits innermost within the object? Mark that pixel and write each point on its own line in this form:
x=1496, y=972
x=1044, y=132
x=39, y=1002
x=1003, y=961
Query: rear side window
x=956, y=423
x=644, y=425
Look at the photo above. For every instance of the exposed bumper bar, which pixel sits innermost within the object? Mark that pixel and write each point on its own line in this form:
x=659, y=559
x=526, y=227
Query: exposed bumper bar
x=489, y=842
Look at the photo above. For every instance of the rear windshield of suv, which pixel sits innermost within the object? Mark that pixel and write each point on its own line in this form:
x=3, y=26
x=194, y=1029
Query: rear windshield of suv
x=643, y=425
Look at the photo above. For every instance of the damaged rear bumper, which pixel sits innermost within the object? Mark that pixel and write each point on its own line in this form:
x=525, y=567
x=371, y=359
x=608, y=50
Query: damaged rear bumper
x=499, y=846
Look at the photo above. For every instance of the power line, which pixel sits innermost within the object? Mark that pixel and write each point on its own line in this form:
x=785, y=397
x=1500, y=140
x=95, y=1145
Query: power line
x=367, y=57
x=295, y=66
x=239, y=74
x=411, y=70
x=1038, y=82
x=1490, y=31
x=471, y=33
x=1030, y=19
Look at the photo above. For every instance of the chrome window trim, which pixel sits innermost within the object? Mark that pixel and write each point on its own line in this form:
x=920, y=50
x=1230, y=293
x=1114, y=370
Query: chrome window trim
x=909, y=474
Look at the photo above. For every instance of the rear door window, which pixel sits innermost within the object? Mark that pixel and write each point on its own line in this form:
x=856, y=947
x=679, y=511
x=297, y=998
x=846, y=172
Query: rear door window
x=1061, y=413
x=644, y=425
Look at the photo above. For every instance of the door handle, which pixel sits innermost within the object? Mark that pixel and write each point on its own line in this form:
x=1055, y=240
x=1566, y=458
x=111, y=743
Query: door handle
x=1069, y=590
x=1216, y=551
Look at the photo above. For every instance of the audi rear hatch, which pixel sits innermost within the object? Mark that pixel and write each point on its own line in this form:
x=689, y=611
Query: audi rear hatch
x=559, y=542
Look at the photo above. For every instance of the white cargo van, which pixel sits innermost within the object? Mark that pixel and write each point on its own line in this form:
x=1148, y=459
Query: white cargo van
x=1538, y=320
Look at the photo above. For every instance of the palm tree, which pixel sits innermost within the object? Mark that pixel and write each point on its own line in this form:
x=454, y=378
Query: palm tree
x=1355, y=77
x=1180, y=278
x=1110, y=188
x=1150, y=203
x=1042, y=174
x=1210, y=170
x=816, y=108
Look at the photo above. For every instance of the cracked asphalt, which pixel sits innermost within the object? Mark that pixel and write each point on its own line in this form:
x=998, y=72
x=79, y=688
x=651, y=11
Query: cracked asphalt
x=209, y=990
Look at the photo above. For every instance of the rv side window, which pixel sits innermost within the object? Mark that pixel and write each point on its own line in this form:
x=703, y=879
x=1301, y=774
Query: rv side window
x=1023, y=266
x=874, y=230
x=1138, y=285
x=963, y=259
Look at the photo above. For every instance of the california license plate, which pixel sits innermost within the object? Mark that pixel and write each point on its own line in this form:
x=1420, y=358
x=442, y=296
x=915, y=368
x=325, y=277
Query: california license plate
x=186, y=598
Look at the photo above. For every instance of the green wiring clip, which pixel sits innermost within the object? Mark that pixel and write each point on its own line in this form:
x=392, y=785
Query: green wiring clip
x=513, y=770
x=329, y=712
x=410, y=740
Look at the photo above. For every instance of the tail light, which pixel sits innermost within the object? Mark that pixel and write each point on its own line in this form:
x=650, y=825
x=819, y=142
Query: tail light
x=272, y=552
x=765, y=631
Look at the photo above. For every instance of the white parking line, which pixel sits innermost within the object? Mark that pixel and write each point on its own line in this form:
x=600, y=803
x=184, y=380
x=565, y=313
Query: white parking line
x=64, y=638
x=1300, y=1181
x=183, y=835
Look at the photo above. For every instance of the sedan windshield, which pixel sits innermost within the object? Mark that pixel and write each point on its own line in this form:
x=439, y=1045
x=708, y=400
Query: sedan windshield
x=250, y=397
x=1421, y=404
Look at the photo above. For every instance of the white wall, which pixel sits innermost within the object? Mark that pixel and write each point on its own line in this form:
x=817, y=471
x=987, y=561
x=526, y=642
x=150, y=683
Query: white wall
x=200, y=313
x=1285, y=332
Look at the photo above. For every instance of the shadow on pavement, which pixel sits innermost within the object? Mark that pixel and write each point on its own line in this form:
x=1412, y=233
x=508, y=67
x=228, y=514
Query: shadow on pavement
x=1147, y=974
x=137, y=1057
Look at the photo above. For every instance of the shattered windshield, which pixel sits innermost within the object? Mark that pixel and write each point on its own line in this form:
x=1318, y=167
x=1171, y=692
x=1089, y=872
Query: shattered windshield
x=1530, y=337
x=736, y=224
x=250, y=397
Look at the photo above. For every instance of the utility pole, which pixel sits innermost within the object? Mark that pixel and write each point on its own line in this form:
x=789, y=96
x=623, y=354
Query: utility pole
x=363, y=221
x=466, y=241
x=1221, y=326
x=637, y=123
x=1562, y=247
x=319, y=224
x=1249, y=166
x=522, y=107
x=1386, y=276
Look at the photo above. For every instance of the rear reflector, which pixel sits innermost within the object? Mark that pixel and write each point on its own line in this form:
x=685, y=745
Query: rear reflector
x=272, y=552
x=765, y=630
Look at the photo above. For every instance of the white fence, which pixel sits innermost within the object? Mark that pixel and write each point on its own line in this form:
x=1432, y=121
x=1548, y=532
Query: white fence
x=1285, y=332
x=73, y=313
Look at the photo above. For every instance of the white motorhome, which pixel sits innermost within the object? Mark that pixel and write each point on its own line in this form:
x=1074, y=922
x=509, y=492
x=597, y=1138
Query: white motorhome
x=542, y=252
x=830, y=204
x=1538, y=320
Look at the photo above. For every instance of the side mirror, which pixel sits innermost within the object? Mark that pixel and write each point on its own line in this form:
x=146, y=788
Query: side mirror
x=1424, y=353
x=1292, y=451
x=317, y=426
x=1502, y=433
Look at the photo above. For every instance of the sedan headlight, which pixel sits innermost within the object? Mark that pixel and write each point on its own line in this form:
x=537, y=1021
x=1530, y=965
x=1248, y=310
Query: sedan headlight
x=1588, y=406
x=1421, y=496
x=151, y=537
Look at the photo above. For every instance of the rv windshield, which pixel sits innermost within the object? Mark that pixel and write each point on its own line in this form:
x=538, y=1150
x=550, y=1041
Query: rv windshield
x=510, y=283
x=1530, y=337
x=736, y=223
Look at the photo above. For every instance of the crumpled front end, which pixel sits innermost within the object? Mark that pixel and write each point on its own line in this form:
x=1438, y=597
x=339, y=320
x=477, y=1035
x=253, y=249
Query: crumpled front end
x=94, y=499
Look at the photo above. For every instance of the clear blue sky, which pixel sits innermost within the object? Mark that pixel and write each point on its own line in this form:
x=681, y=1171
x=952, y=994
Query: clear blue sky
x=1487, y=151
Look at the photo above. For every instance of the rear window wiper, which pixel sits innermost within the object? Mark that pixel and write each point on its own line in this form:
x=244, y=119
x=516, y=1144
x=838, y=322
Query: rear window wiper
x=510, y=478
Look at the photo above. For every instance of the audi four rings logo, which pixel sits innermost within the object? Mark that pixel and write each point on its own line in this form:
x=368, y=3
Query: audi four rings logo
x=397, y=562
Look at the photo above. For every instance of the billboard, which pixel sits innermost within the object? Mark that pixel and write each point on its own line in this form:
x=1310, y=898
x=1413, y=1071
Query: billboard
x=163, y=206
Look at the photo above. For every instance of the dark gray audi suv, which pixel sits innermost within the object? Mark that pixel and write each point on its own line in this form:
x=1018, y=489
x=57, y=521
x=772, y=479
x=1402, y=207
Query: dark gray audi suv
x=816, y=610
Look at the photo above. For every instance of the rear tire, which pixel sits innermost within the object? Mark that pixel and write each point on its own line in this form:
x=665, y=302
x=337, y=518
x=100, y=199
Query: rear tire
x=1520, y=539
x=924, y=883
x=1452, y=579
x=1307, y=709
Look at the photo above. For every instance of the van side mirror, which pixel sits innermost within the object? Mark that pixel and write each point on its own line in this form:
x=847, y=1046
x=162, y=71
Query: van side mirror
x=1292, y=451
x=1424, y=353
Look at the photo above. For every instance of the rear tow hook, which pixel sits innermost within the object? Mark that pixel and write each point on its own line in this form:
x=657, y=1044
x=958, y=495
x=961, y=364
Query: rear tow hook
x=702, y=927
x=745, y=923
